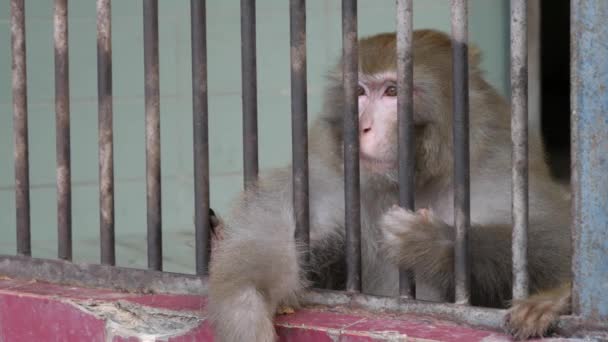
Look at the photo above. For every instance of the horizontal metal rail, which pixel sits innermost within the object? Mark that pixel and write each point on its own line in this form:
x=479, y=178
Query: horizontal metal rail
x=150, y=281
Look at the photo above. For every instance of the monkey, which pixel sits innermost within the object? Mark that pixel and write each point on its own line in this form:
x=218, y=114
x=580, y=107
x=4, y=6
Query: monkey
x=536, y=315
x=258, y=266
x=216, y=225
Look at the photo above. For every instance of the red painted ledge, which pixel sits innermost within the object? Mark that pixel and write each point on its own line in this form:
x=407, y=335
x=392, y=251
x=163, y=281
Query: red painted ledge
x=35, y=311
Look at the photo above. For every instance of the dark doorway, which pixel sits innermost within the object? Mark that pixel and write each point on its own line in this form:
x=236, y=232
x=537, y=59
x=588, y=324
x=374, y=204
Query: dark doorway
x=555, y=84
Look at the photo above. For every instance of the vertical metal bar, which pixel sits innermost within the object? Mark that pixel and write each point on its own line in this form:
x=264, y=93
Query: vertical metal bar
x=153, y=172
x=299, y=123
x=22, y=172
x=519, y=141
x=106, y=143
x=250, y=89
x=201, y=133
x=459, y=12
x=62, y=112
x=589, y=63
x=351, y=145
x=405, y=108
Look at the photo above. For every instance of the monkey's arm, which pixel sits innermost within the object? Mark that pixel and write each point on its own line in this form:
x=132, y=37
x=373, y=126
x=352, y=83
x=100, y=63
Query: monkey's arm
x=422, y=242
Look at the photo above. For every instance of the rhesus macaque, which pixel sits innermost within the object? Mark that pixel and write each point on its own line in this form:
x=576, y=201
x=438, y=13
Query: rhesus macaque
x=257, y=265
x=217, y=229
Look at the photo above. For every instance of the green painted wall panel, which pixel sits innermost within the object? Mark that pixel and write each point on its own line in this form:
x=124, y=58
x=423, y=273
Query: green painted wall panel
x=488, y=28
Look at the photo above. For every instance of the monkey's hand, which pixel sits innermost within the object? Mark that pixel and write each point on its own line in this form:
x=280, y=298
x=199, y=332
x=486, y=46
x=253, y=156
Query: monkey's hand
x=217, y=229
x=536, y=315
x=418, y=241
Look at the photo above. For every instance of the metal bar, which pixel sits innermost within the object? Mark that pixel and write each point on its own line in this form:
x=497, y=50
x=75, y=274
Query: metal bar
x=103, y=276
x=22, y=169
x=477, y=316
x=299, y=124
x=200, y=117
x=462, y=220
x=106, y=143
x=351, y=145
x=405, y=109
x=153, y=172
x=589, y=63
x=250, y=89
x=62, y=112
x=519, y=141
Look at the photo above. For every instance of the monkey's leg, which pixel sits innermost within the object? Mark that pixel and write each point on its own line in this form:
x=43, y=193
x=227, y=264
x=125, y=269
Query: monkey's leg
x=535, y=315
x=253, y=270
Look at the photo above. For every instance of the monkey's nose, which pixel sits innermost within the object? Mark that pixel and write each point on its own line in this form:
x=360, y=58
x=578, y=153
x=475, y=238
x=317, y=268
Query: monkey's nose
x=366, y=130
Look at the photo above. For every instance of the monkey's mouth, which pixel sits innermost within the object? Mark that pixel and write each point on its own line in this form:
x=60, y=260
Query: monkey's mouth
x=376, y=164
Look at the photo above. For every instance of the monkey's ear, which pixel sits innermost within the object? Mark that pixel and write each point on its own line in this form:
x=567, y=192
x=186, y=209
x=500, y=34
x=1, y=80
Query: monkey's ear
x=474, y=55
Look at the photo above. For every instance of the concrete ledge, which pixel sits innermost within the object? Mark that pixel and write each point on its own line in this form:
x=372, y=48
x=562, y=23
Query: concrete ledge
x=35, y=311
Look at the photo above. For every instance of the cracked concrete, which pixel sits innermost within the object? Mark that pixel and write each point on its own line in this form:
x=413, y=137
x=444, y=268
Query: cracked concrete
x=127, y=319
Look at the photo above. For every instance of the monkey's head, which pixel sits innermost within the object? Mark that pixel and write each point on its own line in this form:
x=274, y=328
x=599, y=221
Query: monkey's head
x=377, y=97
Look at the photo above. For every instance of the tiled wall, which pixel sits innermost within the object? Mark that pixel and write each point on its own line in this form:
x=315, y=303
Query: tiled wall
x=488, y=27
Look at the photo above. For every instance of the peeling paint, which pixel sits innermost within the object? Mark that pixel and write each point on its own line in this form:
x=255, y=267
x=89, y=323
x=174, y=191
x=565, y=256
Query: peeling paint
x=589, y=148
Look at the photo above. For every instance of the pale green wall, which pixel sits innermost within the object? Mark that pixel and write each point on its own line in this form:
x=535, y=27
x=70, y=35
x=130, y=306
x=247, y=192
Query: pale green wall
x=488, y=25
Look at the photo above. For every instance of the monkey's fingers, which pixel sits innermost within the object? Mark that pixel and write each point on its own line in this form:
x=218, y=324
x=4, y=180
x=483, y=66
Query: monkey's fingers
x=285, y=310
x=537, y=315
x=216, y=224
x=415, y=239
x=217, y=230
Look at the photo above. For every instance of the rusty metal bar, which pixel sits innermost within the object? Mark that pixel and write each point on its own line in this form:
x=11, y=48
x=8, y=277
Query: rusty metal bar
x=22, y=169
x=589, y=93
x=462, y=201
x=106, y=143
x=153, y=172
x=299, y=123
x=62, y=115
x=103, y=276
x=519, y=141
x=250, y=90
x=405, y=109
x=351, y=145
x=200, y=119
x=477, y=316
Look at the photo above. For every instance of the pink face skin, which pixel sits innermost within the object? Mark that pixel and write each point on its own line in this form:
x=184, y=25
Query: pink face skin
x=377, y=122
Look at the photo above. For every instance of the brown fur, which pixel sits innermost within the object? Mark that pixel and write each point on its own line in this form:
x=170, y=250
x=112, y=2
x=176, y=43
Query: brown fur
x=256, y=267
x=536, y=315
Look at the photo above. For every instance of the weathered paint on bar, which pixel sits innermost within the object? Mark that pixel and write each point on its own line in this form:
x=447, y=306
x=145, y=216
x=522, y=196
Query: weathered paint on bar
x=22, y=168
x=462, y=201
x=351, y=145
x=200, y=119
x=589, y=54
x=62, y=118
x=519, y=143
x=106, y=131
x=250, y=92
x=405, y=109
x=299, y=126
x=153, y=172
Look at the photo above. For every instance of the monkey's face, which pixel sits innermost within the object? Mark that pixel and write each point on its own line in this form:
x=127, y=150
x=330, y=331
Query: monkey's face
x=377, y=99
x=377, y=122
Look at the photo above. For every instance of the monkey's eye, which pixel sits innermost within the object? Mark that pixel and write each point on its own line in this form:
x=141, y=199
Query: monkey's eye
x=390, y=91
x=360, y=91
